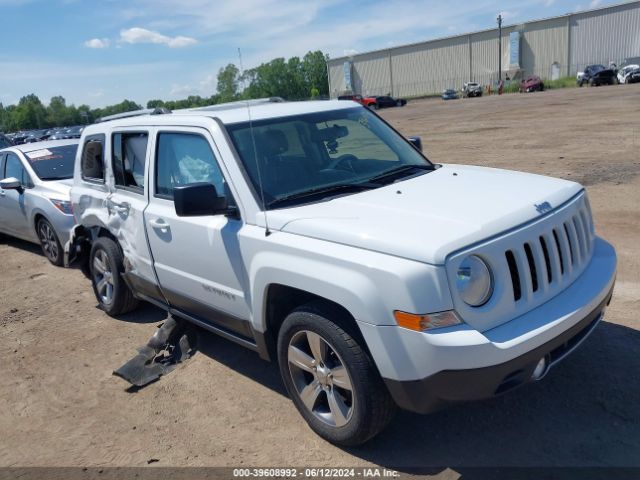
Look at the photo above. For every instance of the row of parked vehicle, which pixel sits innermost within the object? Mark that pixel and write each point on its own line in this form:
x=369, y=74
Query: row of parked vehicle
x=33, y=136
x=596, y=75
x=314, y=234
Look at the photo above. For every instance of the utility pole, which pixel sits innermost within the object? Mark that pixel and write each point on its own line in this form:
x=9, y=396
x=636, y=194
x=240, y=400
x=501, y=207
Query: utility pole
x=499, y=19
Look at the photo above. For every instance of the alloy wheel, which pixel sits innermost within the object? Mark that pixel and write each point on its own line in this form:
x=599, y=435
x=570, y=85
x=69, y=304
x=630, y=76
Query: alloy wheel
x=320, y=378
x=48, y=240
x=103, y=277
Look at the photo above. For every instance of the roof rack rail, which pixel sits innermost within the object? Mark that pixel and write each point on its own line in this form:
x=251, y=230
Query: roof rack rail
x=236, y=104
x=134, y=113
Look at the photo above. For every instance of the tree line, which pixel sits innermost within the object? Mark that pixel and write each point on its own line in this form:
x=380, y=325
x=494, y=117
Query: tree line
x=292, y=79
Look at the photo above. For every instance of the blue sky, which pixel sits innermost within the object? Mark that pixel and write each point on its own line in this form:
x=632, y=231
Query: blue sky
x=100, y=52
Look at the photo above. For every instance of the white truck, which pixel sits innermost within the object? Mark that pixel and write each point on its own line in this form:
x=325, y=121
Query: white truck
x=316, y=235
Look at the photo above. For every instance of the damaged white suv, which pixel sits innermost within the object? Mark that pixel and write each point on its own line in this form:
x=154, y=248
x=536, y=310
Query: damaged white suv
x=316, y=235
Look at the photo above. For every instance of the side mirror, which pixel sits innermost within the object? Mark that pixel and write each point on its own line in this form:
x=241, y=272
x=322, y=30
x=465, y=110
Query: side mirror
x=11, y=183
x=416, y=142
x=199, y=199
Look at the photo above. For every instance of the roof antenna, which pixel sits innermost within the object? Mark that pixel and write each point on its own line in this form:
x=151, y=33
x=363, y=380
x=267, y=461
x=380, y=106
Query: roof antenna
x=267, y=231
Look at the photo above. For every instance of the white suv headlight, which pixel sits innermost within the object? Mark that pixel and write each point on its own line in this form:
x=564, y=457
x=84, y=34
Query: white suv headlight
x=474, y=281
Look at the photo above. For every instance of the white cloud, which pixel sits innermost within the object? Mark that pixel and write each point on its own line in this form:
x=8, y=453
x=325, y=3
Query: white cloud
x=548, y=3
x=97, y=43
x=508, y=15
x=142, y=35
x=595, y=3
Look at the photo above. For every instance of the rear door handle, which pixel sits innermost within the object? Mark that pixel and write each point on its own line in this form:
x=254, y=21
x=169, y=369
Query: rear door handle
x=159, y=224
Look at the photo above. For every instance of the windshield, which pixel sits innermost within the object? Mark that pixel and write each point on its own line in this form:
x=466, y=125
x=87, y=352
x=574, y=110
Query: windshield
x=317, y=151
x=53, y=163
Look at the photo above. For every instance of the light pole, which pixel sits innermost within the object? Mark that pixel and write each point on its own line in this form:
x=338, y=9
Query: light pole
x=499, y=19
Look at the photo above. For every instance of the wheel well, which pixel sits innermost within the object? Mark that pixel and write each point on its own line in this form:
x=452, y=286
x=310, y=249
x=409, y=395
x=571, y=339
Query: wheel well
x=36, y=219
x=282, y=300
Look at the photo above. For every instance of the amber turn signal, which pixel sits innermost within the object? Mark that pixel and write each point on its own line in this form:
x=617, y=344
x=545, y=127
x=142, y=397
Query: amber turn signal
x=422, y=322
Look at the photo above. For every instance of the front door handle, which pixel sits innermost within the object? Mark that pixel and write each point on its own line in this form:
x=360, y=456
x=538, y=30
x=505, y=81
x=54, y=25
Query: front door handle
x=159, y=224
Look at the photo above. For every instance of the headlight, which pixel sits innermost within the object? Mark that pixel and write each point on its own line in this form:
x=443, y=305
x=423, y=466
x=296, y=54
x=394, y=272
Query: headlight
x=63, y=205
x=474, y=281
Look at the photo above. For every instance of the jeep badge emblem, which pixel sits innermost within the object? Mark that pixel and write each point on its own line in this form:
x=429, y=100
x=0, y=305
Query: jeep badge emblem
x=543, y=207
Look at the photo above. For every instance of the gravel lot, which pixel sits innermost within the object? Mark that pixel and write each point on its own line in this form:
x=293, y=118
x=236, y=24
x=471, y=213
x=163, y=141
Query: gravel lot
x=61, y=406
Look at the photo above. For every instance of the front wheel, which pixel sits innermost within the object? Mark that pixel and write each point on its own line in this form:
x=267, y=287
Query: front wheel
x=49, y=242
x=106, y=264
x=330, y=378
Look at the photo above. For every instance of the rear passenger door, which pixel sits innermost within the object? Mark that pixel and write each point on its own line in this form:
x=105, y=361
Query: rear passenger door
x=197, y=259
x=129, y=155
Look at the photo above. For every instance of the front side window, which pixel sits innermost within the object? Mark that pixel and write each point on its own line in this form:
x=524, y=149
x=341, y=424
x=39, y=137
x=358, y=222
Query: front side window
x=184, y=158
x=92, y=163
x=129, y=157
x=298, y=154
x=14, y=168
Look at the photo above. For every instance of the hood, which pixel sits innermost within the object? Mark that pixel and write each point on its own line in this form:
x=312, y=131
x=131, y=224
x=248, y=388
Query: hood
x=61, y=187
x=430, y=216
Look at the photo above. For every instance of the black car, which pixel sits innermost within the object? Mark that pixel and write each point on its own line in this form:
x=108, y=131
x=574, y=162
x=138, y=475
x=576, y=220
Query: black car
x=596, y=75
x=384, y=101
x=4, y=141
x=634, y=76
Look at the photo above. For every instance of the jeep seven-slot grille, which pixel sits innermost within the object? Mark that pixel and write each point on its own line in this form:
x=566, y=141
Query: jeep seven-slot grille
x=550, y=258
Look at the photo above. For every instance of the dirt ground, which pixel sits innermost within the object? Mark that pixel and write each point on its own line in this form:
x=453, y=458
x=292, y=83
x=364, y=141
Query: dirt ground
x=60, y=405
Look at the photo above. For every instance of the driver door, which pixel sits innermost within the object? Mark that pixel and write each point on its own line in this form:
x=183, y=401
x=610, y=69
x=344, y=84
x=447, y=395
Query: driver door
x=13, y=211
x=197, y=259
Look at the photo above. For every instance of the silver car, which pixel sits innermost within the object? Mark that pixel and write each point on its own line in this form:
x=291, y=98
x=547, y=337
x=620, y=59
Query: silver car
x=34, y=194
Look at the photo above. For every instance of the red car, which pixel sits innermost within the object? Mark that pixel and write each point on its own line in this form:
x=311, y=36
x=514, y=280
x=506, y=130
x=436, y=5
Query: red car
x=531, y=84
x=366, y=101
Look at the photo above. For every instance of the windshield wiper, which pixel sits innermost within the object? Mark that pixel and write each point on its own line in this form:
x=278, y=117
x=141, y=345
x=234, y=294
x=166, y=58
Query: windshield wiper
x=342, y=188
x=399, y=170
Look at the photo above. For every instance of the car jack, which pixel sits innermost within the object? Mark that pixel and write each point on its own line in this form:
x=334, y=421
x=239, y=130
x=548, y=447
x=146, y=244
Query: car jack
x=173, y=343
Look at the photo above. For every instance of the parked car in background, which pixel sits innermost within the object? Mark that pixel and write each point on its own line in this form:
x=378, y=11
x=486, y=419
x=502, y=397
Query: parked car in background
x=386, y=101
x=20, y=137
x=634, y=76
x=596, y=75
x=450, y=94
x=471, y=89
x=73, y=132
x=5, y=141
x=625, y=72
x=34, y=194
x=370, y=102
x=37, y=136
x=531, y=84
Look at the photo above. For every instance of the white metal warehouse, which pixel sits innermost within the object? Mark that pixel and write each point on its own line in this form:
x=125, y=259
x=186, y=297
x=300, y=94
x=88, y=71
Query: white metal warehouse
x=551, y=48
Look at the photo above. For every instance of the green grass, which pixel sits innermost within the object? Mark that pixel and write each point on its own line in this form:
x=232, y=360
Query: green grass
x=564, y=82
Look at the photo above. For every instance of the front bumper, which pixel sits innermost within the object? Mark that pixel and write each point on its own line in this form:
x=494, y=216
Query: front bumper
x=426, y=369
x=451, y=386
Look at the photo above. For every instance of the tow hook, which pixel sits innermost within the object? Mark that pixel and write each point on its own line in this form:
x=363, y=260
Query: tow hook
x=174, y=342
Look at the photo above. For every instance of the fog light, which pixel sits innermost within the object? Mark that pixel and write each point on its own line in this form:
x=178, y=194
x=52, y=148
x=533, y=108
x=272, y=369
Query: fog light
x=540, y=370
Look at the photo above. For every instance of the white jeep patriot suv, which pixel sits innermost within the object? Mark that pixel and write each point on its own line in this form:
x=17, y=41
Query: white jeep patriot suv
x=316, y=235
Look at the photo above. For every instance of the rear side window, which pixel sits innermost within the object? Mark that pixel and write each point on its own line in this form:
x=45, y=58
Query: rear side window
x=129, y=157
x=184, y=158
x=92, y=161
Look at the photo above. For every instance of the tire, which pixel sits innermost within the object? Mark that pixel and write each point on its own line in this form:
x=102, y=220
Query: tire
x=580, y=83
x=49, y=242
x=105, y=263
x=342, y=416
x=375, y=106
